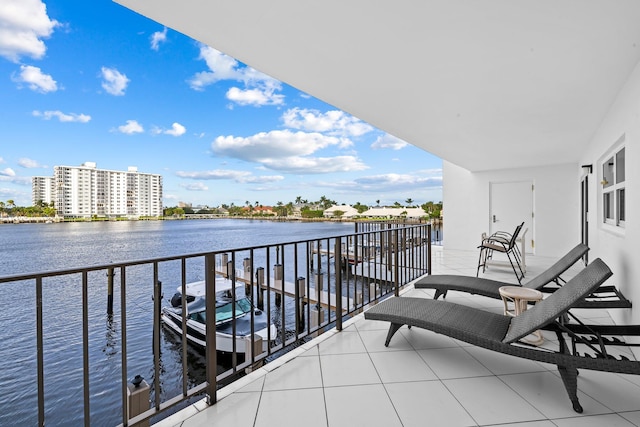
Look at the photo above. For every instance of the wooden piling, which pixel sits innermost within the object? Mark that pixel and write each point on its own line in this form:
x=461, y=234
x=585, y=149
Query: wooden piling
x=277, y=278
x=110, y=292
x=300, y=297
x=246, y=265
x=259, y=283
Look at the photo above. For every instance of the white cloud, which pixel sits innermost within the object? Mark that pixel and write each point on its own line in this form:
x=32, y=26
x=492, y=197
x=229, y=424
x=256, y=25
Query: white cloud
x=157, y=38
x=276, y=143
x=29, y=163
x=63, y=117
x=114, y=82
x=388, y=141
x=23, y=25
x=398, y=182
x=131, y=127
x=315, y=165
x=288, y=151
x=8, y=172
x=233, y=175
x=259, y=89
x=334, y=122
x=35, y=79
x=419, y=185
x=176, y=130
x=196, y=186
x=255, y=96
x=2, y=160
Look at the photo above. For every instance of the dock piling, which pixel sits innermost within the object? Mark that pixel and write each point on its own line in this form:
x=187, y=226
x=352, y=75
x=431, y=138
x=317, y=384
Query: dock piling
x=110, y=292
x=278, y=282
x=301, y=294
x=246, y=265
x=259, y=283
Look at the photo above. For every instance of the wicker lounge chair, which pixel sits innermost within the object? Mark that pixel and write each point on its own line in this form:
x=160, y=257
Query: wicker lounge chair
x=548, y=281
x=502, y=333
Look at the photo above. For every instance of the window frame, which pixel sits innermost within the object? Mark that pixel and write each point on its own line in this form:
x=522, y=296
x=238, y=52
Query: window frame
x=613, y=193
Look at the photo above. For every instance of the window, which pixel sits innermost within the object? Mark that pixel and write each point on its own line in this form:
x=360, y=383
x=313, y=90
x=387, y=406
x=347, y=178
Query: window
x=613, y=188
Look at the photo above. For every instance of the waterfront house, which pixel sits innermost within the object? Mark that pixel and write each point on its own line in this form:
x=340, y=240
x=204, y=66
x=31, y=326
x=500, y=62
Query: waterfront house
x=533, y=106
x=394, y=213
x=346, y=211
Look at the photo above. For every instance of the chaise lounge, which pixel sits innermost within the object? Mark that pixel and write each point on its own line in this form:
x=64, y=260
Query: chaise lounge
x=548, y=281
x=501, y=333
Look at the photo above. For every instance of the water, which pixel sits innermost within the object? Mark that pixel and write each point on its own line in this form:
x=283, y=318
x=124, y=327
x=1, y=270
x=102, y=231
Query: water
x=29, y=248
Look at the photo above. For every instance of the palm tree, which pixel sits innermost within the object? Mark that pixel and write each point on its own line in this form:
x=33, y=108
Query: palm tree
x=408, y=202
x=298, y=200
x=378, y=202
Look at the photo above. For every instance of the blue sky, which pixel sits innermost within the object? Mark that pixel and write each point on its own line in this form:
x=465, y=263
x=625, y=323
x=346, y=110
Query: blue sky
x=93, y=81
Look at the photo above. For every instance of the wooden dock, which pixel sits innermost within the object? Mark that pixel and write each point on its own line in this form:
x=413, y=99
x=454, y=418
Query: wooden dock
x=280, y=287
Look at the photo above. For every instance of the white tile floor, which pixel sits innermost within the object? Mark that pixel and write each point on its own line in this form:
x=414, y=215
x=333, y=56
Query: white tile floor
x=350, y=378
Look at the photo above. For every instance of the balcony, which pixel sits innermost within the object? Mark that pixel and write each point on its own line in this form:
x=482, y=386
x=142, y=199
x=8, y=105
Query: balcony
x=304, y=287
x=349, y=378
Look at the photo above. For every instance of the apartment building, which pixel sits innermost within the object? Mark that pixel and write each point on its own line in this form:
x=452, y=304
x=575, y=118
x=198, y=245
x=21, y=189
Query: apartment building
x=86, y=191
x=42, y=189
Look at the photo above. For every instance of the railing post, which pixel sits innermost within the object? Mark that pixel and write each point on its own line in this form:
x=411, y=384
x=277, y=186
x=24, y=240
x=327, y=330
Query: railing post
x=396, y=264
x=338, y=284
x=40, y=350
x=157, y=300
x=211, y=353
x=429, y=249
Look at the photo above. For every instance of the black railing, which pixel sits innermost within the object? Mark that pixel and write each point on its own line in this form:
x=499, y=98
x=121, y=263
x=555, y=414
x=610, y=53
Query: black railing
x=303, y=288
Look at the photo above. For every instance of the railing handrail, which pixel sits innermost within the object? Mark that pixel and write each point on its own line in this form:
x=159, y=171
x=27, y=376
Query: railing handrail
x=401, y=252
x=118, y=264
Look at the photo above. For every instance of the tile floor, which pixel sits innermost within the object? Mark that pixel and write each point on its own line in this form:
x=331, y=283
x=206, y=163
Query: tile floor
x=350, y=378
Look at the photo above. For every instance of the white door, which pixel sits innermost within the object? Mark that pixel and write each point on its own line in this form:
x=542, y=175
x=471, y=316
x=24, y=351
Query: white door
x=510, y=204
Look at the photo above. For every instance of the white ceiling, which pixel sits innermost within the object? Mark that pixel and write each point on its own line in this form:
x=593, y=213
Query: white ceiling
x=485, y=84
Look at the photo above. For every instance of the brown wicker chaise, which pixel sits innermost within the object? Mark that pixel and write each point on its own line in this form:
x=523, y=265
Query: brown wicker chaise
x=548, y=281
x=502, y=333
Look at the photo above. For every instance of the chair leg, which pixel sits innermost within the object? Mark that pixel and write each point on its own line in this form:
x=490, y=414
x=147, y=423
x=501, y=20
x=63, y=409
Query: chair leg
x=518, y=276
x=570, y=379
x=482, y=260
x=439, y=293
x=393, y=328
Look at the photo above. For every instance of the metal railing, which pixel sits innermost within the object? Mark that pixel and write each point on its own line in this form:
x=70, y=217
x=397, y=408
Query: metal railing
x=303, y=287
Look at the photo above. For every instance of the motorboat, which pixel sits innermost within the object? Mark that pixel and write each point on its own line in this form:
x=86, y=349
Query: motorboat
x=226, y=318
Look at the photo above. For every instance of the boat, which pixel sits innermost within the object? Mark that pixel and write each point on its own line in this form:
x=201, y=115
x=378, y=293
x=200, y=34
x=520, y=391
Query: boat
x=225, y=320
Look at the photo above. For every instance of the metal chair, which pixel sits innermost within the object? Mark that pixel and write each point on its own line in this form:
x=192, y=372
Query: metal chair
x=505, y=243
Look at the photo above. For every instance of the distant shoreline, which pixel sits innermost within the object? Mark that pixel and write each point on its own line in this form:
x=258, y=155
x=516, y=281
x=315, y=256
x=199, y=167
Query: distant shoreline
x=45, y=220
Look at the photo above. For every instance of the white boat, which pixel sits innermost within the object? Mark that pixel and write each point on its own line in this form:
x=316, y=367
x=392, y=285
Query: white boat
x=196, y=316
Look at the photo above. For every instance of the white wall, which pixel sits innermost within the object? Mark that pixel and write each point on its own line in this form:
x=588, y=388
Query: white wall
x=620, y=250
x=556, y=206
x=557, y=201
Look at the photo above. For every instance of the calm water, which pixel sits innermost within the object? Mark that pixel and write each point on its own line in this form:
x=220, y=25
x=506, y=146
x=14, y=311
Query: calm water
x=29, y=248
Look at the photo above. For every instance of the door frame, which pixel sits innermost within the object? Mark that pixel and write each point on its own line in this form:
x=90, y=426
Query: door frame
x=529, y=244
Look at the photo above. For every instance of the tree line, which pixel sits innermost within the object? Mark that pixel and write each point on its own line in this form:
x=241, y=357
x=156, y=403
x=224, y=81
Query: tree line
x=40, y=209
x=314, y=209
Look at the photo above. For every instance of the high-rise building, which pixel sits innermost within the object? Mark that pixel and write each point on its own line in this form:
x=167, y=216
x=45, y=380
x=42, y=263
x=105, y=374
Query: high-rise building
x=42, y=189
x=86, y=191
